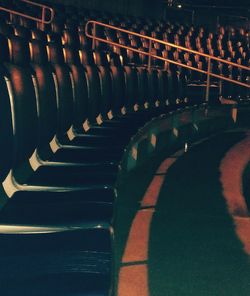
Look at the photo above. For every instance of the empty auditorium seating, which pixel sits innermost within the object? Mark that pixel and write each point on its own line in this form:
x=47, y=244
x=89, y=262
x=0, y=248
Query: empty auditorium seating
x=68, y=109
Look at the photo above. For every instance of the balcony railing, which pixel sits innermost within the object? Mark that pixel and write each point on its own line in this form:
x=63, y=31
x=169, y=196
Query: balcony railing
x=44, y=10
x=90, y=31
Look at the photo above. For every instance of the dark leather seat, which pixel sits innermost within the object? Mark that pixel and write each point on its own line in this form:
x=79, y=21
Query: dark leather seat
x=33, y=153
x=41, y=224
x=32, y=202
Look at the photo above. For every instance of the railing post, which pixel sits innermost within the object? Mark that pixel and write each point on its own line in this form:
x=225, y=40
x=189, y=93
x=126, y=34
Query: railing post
x=217, y=21
x=43, y=18
x=94, y=35
x=149, y=51
x=220, y=87
x=208, y=80
x=91, y=33
x=193, y=16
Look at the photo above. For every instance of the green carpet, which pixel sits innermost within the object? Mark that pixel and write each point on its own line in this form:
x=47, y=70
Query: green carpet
x=193, y=247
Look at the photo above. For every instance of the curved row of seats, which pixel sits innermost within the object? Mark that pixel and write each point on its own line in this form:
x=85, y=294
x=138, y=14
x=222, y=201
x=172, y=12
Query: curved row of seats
x=66, y=116
x=61, y=193
x=228, y=44
x=70, y=37
x=238, y=54
x=91, y=97
x=74, y=113
x=67, y=113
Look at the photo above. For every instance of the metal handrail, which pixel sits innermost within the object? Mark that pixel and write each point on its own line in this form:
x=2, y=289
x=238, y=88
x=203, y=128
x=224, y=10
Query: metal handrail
x=42, y=6
x=217, y=7
x=236, y=16
x=239, y=17
x=151, y=55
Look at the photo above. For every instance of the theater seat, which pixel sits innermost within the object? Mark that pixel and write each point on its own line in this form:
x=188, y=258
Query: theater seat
x=46, y=229
x=27, y=158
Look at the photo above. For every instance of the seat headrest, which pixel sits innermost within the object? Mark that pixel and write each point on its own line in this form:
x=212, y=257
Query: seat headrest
x=38, y=52
x=54, y=37
x=71, y=55
x=19, y=51
x=84, y=41
x=115, y=59
x=22, y=32
x=6, y=128
x=55, y=53
x=39, y=35
x=70, y=38
x=86, y=57
x=57, y=26
x=100, y=58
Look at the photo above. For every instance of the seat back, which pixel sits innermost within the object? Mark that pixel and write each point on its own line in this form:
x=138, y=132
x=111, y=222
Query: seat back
x=80, y=93
x=64, y=87
x=47, y=100
x=102, y=64
x=94, y=84
x=7, y=126
x=142, y=86
x=131, y=79
x=25, y=119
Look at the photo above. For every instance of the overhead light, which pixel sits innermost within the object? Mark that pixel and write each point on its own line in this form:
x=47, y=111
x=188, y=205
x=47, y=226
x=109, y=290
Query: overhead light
x=179, y=6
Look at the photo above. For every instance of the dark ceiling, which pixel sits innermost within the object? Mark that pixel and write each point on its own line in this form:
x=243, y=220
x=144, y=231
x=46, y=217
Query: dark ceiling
x=226, y=3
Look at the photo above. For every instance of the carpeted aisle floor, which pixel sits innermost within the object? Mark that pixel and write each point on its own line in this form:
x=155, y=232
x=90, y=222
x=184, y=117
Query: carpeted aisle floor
x=188, y=237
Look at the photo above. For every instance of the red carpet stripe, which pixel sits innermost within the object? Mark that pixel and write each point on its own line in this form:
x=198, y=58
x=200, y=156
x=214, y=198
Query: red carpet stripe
x=137, y=244
x=133, y=277
x=151, y=196
x=133, y=280
x=231, y=169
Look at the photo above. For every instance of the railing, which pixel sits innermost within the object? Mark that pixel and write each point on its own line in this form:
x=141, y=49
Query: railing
x=151, y=55
x=205, y=6
x=43, y=7
x=232, y=16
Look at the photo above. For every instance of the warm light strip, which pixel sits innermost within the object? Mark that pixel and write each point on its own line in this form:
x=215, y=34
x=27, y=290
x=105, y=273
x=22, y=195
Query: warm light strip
x=41, y=229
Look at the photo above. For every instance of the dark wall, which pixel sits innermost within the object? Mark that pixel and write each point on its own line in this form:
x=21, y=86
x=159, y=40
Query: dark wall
x=130, y=7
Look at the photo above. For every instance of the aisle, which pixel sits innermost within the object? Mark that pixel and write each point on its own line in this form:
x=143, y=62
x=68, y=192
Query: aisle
x=191, y=239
